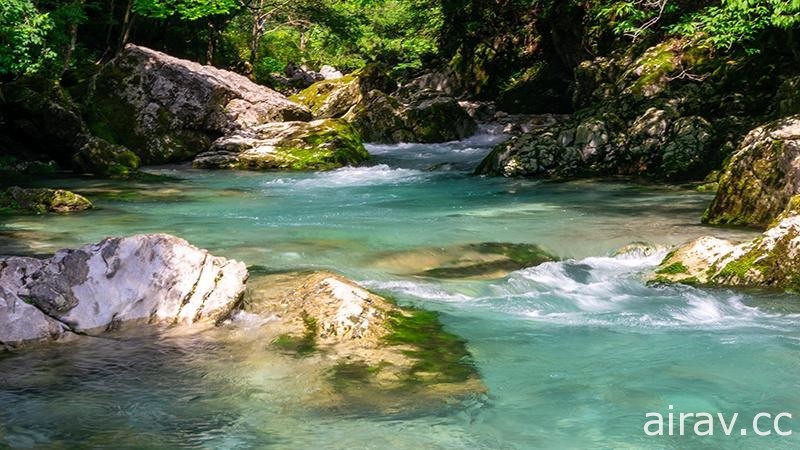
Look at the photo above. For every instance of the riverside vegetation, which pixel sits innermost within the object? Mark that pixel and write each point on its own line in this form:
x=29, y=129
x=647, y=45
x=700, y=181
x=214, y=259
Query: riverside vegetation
x=303, y=138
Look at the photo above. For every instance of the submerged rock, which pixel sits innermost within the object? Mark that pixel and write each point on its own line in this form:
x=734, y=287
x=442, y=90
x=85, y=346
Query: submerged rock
x=41, y=200
x=486, y=260
x=367, y=346
x=168, y=109
x=771, y=260
x=154, y=278
x=761, y=176
x=318, y=145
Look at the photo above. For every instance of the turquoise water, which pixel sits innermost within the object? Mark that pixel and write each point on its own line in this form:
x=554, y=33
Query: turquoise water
x=573, y=354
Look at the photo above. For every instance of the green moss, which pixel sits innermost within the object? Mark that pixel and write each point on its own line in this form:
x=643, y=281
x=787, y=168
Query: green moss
x=315, y=96
x=673, y=269
x=42, y=200
x=300, y=345
x=654, y=66
x=440, y=357
x=335, y=143
x=737, y=268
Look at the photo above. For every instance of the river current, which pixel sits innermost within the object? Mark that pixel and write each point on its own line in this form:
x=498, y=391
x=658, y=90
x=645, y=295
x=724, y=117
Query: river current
x=573, y=353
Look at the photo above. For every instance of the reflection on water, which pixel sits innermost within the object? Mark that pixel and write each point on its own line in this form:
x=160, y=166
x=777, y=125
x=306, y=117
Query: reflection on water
x=573, y=353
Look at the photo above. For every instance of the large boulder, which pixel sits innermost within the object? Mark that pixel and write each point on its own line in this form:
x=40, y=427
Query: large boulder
x=369, y=346
x=41, y=200
x=656, y=143
x=378, y=118
x=761, y=176
x=140, y=279
x=319, y=145
x=362, y=99
x=334, y=97
x=771, y=260
x=168, y=109
x=438, y=119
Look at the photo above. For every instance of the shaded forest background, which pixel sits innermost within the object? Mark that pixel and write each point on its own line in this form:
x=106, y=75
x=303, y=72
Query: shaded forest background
x=496, y=48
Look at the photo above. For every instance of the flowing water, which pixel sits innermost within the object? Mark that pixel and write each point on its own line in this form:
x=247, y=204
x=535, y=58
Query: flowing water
x=573, y=353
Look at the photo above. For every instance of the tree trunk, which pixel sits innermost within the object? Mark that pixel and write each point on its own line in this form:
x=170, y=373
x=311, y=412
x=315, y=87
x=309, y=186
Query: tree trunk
x=73, y=40
x=127, y=23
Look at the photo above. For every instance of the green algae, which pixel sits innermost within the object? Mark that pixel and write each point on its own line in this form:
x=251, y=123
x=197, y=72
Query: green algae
x=673, y=269
x=303, y=345
x=440, y=356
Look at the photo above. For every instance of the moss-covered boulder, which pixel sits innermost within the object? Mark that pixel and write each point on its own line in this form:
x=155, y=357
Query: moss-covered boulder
x=378, y=117
x=438, y=119
x=100, y=157
x=760, y=177
x=42, y=200
x=771, y=260
x=369, y=348
x=167, y=109
x=334, y=97
x=361, y=98
x=318, y=145
x=657, y=143
x=482, y=261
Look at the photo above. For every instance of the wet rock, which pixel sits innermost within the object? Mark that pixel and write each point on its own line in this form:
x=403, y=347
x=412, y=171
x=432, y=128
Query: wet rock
x=120, y=281
x=41, y=200
x=486, y=260
x=768, y=261
x=167, y=109
x=319, y=145
x=761, y=176
x=371, y=346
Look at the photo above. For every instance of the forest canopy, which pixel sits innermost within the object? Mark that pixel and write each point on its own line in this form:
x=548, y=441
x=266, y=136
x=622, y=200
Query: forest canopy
x=493, y=42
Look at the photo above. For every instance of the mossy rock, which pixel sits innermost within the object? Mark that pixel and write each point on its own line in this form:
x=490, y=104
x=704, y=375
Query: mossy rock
x=370, y=348
x=485, y=261
x=42, y=200
x=768, y=261
x=100, y=157
x=319, y=145
x=760, y=178
x=439, y=119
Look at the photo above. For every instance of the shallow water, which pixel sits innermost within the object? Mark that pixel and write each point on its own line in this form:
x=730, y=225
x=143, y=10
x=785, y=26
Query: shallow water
x=573, y=353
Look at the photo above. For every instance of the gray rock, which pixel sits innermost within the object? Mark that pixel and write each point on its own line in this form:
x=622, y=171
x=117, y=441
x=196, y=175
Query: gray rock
x=168, y=109
x=21, y=322
x=330, y=72
x=154, y=278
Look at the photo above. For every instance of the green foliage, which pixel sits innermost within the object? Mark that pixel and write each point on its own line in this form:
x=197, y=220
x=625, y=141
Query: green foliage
x=24, y=49
x=724, y=25
x=185, y=9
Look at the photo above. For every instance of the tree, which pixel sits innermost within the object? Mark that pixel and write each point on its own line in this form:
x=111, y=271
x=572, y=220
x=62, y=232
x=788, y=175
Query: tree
x=24, y=49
